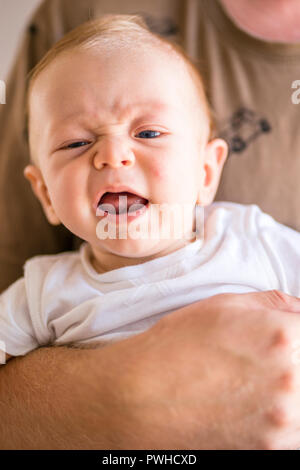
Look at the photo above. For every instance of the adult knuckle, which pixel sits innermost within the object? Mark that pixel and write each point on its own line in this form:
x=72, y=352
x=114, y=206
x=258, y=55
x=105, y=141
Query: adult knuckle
x=286, y=381
x=279, y=296
x=278, y=417
x=280, y=337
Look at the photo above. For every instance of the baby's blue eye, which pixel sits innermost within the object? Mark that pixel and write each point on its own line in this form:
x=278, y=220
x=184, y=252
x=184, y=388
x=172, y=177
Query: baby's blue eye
x=149, y=134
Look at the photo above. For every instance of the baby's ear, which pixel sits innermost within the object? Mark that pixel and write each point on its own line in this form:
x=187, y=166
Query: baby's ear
x=214, y=158
x=34, y=175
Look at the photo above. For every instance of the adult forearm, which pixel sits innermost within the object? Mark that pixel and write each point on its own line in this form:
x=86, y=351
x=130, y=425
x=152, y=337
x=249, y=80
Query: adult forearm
x=61, y=398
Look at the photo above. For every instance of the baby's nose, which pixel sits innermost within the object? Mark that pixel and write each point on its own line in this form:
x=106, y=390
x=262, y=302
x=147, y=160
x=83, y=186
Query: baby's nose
x=113, y=153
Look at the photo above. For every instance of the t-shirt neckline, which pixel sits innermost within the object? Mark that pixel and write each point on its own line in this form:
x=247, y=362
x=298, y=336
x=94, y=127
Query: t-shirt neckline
x=244, y=40
x=127, y=273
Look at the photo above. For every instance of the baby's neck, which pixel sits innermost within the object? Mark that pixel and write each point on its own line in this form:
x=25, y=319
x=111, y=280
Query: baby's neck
x=271, y=20
x=104, y=261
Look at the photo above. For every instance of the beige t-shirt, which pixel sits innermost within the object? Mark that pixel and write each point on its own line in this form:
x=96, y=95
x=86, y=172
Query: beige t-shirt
x=250, y=87
x=249, y=84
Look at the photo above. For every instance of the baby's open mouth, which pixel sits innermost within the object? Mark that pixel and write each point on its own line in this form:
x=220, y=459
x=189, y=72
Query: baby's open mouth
x=121, y=203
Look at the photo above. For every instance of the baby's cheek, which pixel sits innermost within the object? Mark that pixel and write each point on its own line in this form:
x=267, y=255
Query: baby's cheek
x=160, y=184
x=64, y=198
x=158, y=171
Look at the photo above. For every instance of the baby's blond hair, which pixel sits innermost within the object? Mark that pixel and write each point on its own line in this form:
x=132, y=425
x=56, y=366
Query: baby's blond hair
x=106, y=33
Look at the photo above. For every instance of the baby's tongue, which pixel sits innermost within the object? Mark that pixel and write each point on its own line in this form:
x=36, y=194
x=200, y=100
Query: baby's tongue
x=121, y=204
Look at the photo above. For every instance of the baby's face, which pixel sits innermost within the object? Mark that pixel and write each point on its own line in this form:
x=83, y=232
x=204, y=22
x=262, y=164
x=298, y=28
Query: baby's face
x=123, y=119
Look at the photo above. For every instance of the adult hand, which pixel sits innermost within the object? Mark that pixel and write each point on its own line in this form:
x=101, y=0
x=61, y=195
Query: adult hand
x=221, y=373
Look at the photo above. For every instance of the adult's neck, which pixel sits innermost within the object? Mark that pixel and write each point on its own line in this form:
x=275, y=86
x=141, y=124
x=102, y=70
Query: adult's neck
x=271, y=20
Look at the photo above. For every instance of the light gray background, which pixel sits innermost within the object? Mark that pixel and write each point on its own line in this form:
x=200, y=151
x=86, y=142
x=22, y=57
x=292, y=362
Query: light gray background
x=14, y=15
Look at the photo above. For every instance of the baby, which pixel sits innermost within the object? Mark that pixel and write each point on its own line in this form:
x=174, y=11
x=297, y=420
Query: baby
x=120, y=138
